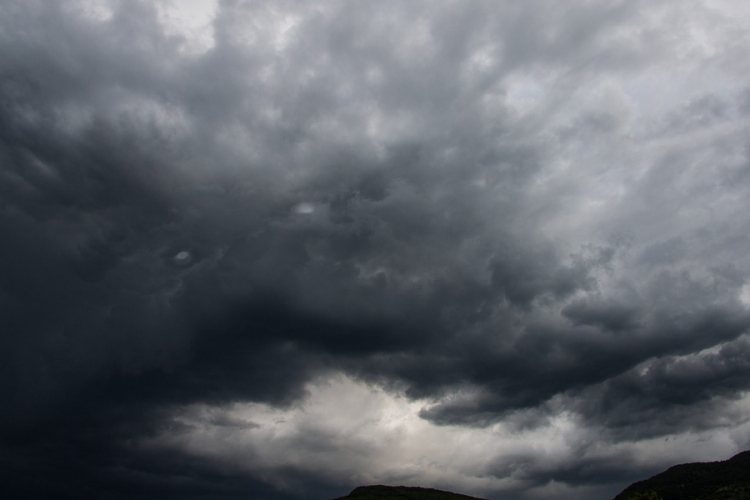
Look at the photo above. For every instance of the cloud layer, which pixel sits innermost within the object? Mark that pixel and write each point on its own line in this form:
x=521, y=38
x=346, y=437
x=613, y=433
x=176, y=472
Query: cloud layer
x=277, y=251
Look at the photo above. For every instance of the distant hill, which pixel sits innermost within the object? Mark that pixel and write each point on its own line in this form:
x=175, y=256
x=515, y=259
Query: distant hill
x=728, y=480
x=402, y=493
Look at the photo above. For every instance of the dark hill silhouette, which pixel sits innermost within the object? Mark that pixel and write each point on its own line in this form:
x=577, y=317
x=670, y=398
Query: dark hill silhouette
x=727, y=480
x=380, y=492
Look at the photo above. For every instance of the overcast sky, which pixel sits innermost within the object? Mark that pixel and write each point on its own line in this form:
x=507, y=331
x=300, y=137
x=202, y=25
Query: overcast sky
x=277, y=250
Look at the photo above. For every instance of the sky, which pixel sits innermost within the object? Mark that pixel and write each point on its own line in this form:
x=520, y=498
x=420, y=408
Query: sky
x=278, y=250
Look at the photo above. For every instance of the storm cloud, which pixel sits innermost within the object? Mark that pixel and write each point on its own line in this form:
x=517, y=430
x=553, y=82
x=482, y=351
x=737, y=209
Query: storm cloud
x=279, y=250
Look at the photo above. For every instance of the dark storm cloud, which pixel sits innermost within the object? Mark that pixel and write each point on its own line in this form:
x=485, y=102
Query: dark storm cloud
x=684, y=391
x=365, y=195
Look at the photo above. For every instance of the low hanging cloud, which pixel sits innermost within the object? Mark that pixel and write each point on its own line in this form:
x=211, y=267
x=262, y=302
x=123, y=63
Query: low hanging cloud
x=281, y=251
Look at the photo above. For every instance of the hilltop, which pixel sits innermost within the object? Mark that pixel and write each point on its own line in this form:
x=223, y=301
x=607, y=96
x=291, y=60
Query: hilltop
x=727, y=480
x=381, y=492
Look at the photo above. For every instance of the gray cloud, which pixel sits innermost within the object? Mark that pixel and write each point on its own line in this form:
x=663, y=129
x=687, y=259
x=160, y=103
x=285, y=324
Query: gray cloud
x=506, y=213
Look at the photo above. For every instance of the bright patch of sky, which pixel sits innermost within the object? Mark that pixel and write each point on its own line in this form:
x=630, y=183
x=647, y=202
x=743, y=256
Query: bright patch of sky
x=367, y=435
x=304, y=208
x=191, y=20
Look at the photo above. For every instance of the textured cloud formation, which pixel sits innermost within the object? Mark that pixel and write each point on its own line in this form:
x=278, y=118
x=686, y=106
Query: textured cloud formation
x=280, y=250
